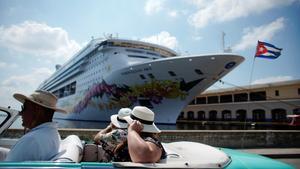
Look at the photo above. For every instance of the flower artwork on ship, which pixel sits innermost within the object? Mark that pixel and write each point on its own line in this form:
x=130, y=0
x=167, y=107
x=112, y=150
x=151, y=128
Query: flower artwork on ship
x=125, y=96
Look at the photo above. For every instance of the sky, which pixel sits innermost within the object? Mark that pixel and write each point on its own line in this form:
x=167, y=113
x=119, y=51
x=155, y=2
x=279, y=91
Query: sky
x=35, y=35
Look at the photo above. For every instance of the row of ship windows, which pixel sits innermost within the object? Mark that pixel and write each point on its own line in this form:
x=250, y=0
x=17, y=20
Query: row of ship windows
x=67, y=90
x=240, y=97
x=241, y=115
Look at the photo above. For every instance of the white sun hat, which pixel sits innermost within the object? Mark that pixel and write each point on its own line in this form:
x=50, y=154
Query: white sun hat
x=145, y=116
x=42, y=98
x=118, y=119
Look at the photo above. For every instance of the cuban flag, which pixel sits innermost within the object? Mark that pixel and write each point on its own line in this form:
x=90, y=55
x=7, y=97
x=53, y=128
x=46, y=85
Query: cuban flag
x=267, y=50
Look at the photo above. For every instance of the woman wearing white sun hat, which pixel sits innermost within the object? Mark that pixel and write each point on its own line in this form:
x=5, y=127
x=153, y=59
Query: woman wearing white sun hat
x=142, y=144
x=114, y=133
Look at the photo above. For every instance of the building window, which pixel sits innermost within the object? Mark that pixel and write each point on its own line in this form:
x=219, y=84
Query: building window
x=181, y=116
x=276, y=92
x=192, y=102
x=201, y=115
x=258, y=96
x=212, y=99
x=226, y=98
x=241, y=97
x=190, y=115
x=226, y=115
x=258, y=115
x=201, y=100
x=213, y=115
x=278, y=115
x=241, y=115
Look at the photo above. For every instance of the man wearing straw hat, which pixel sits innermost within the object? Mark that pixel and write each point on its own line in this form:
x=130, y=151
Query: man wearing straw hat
x=42, y=141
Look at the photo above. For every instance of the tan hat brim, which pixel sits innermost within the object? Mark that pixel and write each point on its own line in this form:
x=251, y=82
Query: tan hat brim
x=147, y=127
x=21, y=98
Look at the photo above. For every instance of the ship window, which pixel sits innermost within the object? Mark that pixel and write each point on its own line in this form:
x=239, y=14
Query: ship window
x=276, y=92
x=201, y=100
x=142, y=77
x=198, y=71
x=257, y=96
x=212, y=99
x=150, y=53
x=225, y=98
x=134, y=51
x=172, y=73
x=138, y=56
x=241, y=97
x=151, y=75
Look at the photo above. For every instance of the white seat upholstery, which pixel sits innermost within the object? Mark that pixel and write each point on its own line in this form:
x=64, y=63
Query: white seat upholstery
x=70, y=150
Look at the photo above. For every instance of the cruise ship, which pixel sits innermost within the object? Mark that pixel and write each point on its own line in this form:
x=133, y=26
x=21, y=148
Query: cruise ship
x=111, y=73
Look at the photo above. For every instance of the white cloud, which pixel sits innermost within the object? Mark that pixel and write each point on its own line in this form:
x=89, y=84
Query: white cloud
x=4, y=65
x=264, y=32
x=153, y=6
x=164, y=38
x=173, y=13
x=26, y=84
x=38, y=39
x=272, y=79
x=227, y=10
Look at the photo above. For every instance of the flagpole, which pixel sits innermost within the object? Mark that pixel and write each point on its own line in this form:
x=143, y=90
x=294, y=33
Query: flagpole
x=249, y=89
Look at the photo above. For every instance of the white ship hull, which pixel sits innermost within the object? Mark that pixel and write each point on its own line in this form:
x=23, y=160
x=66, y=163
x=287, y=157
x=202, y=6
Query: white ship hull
x=110, y=74
x=98, y=103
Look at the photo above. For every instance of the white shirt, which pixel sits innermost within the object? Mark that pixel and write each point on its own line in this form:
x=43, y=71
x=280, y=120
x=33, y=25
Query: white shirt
x=39, y=144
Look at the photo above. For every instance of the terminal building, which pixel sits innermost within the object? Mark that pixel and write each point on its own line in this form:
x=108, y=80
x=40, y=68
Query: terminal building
x=270, y=102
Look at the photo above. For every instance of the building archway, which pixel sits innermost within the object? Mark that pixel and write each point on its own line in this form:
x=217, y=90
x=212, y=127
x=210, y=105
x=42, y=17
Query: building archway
x=279, y=115
x=201, y=115
x=226, y=115
x=181, y=116
x=241, y=115
x=258, y=115
x=213, y=115
x=190, y=115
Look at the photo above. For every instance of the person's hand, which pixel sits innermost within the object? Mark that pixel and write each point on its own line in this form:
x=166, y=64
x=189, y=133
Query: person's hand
x=136, y=126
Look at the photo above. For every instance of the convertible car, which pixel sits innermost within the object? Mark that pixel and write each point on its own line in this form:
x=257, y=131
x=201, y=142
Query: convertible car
x=179, y=155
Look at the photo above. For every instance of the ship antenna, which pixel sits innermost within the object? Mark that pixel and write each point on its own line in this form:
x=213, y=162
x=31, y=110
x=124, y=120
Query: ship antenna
x=228, y=49
x=223, y=41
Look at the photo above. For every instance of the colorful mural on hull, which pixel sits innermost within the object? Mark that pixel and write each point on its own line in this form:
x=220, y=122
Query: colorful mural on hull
x=124, y=96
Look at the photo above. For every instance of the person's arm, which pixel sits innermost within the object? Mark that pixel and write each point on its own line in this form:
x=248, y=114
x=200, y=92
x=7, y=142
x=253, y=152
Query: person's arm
x=141, y=151
x=101, y=133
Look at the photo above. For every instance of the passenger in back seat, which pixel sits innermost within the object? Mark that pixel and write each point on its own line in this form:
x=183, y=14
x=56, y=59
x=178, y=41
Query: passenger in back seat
x=114, y=133
x=42, y=141
x=142, y=143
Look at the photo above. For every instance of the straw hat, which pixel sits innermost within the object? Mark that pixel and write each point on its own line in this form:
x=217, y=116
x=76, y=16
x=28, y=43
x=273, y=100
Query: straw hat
x=118, y=119
x=145, y=116
x=42, y=98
